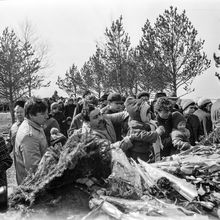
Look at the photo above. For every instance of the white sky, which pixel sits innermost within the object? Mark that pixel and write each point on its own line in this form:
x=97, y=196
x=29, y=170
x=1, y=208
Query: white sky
x=72, y=29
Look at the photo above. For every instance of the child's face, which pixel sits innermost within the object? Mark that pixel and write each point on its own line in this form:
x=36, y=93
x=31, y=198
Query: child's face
x=181, y=125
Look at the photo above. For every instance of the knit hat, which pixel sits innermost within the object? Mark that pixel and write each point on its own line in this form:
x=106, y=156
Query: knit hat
x=215, y=112
x=177, y=117
x=186, y=103
x=203, y=101
x=142, y=94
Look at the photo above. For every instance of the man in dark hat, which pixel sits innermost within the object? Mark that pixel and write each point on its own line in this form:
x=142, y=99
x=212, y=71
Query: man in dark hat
x=115, y=105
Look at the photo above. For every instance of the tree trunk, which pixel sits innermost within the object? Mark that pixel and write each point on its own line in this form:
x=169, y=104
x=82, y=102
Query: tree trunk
x=11, y=109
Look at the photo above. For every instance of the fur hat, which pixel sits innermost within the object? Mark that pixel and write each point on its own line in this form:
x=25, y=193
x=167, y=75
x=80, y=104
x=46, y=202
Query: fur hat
x=186, y=103
x=177, y=117
x=203, y=101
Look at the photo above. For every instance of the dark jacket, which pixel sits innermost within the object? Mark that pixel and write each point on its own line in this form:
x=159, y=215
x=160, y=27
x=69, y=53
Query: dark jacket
x=142, y=146
x=194, y=127
x=69, y=110
x=60, y=117
x=5, y=162
x=166, y=137
x=50, y=123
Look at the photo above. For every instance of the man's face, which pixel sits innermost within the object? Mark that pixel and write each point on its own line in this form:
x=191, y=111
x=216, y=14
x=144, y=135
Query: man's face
x=116, y=106
x=96, y=119
x=40, y=118
x=19, y=113
x=164, y=114
x=190, y=110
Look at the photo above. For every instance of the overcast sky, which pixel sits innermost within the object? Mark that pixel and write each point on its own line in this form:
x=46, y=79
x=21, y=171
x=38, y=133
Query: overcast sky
x=72, y=28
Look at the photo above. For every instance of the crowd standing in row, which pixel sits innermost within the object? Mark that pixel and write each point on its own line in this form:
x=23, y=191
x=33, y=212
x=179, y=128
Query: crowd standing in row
x=144, y=130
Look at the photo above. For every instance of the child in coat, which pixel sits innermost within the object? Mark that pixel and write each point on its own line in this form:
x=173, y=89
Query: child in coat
x=180, y=134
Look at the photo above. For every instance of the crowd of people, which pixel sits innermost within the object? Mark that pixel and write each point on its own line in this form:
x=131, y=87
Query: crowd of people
x=142, y=129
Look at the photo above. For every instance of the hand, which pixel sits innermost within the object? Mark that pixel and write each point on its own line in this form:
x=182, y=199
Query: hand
x=186, y=146
x=160, y=130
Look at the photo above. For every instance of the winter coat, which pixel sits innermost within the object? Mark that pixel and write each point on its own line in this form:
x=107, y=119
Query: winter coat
x=194, y=127
x=205, y=121
x=143, y=145
x=50, y=123
x=5, y=162
x=166, y=137
x=69, y=110
x=30, y=146
x=60, y=117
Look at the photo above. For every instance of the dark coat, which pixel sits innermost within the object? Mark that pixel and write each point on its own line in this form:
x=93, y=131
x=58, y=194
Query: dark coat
x=142, y=146
x=194, y=127
x=69, y=110
x=61, y=119
x=166, y=137
x=50, y=123
x=5, y=162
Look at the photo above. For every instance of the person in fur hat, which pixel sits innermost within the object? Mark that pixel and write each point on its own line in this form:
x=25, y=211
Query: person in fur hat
x=192, y=121
x=180, y=134
x=139, y=123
